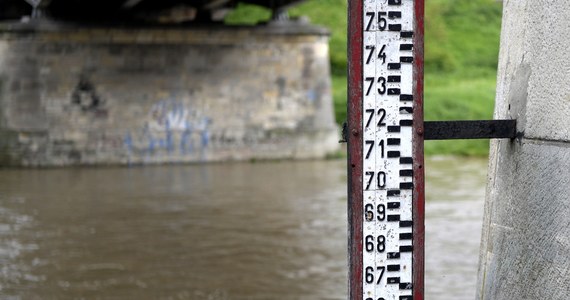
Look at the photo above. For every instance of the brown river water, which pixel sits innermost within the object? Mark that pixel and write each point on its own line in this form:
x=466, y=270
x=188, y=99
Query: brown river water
x=221, y=231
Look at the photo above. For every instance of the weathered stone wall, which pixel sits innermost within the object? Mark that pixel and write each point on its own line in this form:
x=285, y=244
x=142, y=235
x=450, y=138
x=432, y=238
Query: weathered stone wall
x=525, y=250
x=85, y=96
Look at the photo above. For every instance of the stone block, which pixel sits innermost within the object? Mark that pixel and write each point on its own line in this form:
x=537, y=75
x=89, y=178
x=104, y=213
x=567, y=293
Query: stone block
x=526, y=235
x=533, y=73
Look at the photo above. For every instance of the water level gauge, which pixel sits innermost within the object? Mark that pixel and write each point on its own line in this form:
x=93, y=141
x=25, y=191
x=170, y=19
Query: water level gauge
x=386, y=149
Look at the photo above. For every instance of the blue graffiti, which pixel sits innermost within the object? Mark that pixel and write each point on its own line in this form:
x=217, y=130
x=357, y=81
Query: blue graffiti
x=172, y=125
x=128, y=141
x=312, y=96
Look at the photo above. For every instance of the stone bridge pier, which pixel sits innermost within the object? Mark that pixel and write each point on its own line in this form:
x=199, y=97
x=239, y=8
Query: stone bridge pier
x=525, y=247
x=105, y=94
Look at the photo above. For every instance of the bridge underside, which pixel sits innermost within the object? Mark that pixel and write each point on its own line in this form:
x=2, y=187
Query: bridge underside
x=161, y=11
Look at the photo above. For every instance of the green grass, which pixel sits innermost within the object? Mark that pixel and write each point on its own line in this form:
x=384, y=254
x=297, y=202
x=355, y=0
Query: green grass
x=450, y=97
x=462, y=45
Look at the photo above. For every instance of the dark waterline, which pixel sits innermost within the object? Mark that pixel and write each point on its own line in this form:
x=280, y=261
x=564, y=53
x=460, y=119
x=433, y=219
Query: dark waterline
x=235, y=231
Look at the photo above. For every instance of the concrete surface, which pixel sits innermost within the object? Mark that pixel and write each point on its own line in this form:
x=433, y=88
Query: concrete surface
x=92, y=96
x=525, y=248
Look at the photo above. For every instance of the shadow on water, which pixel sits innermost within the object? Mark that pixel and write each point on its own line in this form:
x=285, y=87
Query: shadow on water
x=225, y=231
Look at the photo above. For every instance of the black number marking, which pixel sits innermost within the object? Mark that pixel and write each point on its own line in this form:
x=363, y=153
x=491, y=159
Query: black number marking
x=382, y=54
x=382, y=83
x=369, y=212
x=380, y=180
x=381, y=112
x=382, y=22
x=393, y=268
x=369, y=182
x=381, y=269
x=369, y=275
x=393, y=205
x=394, y=78
x=381, y=245
x=406, y=34
x=393, y=280
x=371, y=80
x=370, y=21
x=371, y=112
x=393, y=128
x=393, y=142
x=393, y=193
x=394, y=66
x=369, y=241
x=381, y=209
x=393, y=218
x=372, y=49
x=394, y=91
x=370, y=147
x=394, y=15
x=395, y=27
x=393, y=154
x=381, y=144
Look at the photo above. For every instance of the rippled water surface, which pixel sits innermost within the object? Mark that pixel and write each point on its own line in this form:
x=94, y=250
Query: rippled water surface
x=222, y=231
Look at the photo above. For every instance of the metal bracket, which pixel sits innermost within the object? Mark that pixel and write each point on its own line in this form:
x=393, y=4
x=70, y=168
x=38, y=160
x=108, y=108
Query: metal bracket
x=467, y=130
x=344, y=133
x=453, y=130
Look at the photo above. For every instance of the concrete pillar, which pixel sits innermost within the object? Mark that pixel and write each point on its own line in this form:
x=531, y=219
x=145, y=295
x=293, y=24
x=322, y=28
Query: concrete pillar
x=525, y=249
x=111, y=95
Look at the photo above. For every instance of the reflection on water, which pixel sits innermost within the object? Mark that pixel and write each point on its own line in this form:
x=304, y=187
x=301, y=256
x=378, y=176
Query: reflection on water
x=233, y=231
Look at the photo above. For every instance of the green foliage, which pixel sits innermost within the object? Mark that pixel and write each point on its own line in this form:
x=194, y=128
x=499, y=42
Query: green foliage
x=450, y=97
x=331, y=14
x=247, y=14
x=328, y=13
x=339, y=96
x=461, y=54
x=472, y=33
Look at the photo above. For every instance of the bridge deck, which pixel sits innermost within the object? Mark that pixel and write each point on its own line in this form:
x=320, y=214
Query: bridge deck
x=148, y=10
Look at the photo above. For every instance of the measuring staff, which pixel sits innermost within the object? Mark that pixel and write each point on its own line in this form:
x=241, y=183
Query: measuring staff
x=385, y=127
